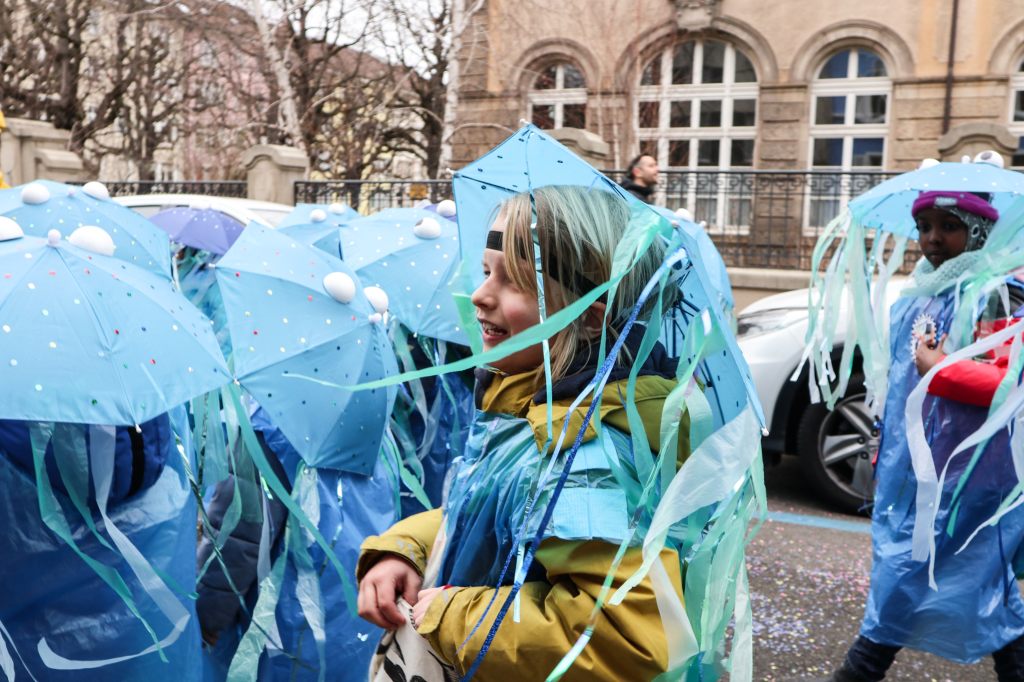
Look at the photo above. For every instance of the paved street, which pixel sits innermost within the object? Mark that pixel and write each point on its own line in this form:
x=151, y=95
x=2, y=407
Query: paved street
x=809, y=579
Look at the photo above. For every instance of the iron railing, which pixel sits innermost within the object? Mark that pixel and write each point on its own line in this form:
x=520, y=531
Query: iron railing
x=757, y=218
x=765, y=218
x=216, y=188
x=369, y=196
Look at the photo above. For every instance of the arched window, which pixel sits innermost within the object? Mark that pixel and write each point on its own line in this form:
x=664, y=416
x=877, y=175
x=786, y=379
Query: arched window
x=1017, y=113
x=697, y=107
x=849, y=124
x=558, y=97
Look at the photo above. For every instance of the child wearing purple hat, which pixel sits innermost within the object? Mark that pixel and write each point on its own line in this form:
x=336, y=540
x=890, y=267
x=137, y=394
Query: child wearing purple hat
x=967, y=604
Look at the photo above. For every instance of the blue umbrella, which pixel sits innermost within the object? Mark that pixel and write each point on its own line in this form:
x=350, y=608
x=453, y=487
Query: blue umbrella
x=302, y=328
x=324, y=235
x=334, y=214
x=201, y=228
x=412, y=254
x=708, y=254
x=887, y=205
x=42, y=205
x=91, y=339
x=531, y=159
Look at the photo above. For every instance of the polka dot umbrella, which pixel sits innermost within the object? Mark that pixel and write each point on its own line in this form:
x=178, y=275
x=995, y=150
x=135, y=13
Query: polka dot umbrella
x=302, y=329
x=318, y=225
x=87, y=338
x=42, y=205
x=413, y=253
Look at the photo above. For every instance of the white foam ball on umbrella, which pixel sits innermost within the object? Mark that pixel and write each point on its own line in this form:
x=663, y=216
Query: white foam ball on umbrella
x=991, y=158
x=684, y=213
x=53, y=237
x=427, y=228
x=35, y=193
x=376, y=318
x=317, y=215
x=378, y=298
x=966, y=158
x=9, y=229
x=97, y=190
x=336, y=208
x=928, y=163
x=92, y=238
x=446, y=208
x=340, y=287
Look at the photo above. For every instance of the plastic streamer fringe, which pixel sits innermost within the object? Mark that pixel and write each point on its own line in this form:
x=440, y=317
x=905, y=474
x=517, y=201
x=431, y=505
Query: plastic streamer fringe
x=852, y=288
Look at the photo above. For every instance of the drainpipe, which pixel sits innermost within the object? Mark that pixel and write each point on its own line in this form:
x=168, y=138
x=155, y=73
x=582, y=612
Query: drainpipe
x=948, y=103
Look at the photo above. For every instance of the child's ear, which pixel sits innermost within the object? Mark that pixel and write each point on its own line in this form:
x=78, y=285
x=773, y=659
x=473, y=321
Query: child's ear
x=593, y=319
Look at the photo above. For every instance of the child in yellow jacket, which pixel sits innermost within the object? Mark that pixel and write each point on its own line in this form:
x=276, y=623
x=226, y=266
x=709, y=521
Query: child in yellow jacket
x=493, y=486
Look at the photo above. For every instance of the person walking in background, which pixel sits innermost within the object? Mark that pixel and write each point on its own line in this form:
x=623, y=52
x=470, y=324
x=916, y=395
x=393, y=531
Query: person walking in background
x=642, y=178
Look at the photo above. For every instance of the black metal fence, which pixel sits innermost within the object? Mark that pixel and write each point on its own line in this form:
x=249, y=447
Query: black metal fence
x=216, y=188
x=369, y=196
x=757, y=218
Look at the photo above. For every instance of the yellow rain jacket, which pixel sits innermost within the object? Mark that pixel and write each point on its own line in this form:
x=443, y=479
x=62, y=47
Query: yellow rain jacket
x=556, y=601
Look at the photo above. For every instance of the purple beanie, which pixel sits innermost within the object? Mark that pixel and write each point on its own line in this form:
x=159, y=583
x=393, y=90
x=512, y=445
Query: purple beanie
x=965, y=201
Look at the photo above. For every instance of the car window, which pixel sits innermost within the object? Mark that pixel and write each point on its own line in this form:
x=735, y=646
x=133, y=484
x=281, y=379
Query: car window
x=147, y=211
x=272, y=216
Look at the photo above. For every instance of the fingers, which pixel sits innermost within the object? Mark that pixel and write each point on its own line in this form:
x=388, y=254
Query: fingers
x=368, y=605
x=413, y=582
x=387, y=605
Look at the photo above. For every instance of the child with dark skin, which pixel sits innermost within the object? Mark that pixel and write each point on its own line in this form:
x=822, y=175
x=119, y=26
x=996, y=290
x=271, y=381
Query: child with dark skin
x=942, y=236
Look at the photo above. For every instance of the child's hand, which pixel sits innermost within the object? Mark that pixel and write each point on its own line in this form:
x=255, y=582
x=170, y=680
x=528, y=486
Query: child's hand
x=379, y=590
x=928, y=352
x=425, y=597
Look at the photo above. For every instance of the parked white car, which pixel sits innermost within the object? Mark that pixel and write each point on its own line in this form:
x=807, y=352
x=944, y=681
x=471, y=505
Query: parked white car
x=243, y=210
x=836, y=448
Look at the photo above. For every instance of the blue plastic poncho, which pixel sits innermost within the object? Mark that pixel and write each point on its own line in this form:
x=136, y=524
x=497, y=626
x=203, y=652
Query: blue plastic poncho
x=977, y=607
x=347, y=507
x=52, y=595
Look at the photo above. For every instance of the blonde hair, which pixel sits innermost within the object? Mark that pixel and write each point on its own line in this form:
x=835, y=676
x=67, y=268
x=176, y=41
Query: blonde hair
x=579, y=230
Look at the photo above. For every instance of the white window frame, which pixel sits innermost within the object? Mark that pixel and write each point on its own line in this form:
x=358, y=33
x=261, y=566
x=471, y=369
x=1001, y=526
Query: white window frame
x=1016, y=128
x=850, y=87
x=558, y=96
x=727, y=92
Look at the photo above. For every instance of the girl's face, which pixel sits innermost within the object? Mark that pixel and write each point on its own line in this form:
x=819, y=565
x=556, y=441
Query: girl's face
x=503, y=311
x=941, y=234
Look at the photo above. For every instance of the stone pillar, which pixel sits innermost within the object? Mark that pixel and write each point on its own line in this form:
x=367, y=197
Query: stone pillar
x=272, y=170
x=585, y=144
x=971, y=138
x=31, y=150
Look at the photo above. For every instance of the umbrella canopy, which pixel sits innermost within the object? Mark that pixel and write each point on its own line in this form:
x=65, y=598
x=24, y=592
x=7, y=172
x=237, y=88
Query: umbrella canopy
x=318, y=225
x=412, y=254
x=887, y=205
x=531, y=159
x=323, y=235
x=708, y=254
x=201, y=228
x=302, y=328
x=42, y=205
x=334, y=214
x=91, y=339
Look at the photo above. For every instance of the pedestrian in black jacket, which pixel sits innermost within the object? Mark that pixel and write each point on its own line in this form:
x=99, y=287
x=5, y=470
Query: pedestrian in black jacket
x=642, y=178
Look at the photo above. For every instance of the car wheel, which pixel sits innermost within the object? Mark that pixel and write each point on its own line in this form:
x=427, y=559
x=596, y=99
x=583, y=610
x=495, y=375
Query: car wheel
x=836, y=449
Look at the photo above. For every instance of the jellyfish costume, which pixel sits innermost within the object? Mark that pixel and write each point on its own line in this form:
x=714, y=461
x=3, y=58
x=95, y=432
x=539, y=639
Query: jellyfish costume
x=559, y=495
x=277, y=584
x=946, y=522
x=95, y=454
